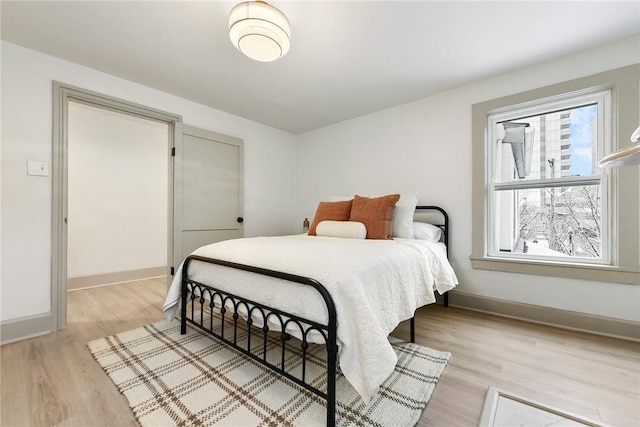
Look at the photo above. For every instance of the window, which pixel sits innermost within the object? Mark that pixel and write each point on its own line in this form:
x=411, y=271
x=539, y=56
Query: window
x=547, y=198
x=541, y=205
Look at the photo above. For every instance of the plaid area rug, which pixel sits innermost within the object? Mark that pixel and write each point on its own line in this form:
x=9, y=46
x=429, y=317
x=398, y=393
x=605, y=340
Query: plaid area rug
x=171, y=380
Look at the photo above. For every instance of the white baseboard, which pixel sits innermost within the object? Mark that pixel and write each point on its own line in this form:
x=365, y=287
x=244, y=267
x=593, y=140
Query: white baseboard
x=584, y=322
x=76, y=283
x=21, y=328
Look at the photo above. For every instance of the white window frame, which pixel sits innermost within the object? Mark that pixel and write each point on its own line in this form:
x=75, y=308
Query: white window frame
x=623, y=184
x=601, y=98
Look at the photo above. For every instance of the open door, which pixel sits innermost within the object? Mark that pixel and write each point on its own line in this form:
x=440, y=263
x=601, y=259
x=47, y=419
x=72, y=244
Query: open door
x=208, y=191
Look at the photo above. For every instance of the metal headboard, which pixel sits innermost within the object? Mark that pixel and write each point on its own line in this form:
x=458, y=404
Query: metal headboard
x=443, y=223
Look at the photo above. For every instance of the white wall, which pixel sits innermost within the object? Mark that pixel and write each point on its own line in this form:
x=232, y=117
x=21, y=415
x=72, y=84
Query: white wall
x=425, y=147
x=27, y=76
x=117, y=203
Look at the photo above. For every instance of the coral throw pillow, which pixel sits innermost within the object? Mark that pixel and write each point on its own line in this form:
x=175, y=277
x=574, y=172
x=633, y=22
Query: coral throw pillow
x=376, y=214
x=331, y=211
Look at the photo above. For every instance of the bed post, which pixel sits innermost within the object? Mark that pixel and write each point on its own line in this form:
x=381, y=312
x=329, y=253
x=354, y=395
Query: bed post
x=332, y=357
x=332, y=352
x=412, y=328
x=183, y=297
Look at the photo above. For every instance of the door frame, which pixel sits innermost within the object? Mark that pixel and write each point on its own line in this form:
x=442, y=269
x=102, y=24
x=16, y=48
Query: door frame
x=62, y=95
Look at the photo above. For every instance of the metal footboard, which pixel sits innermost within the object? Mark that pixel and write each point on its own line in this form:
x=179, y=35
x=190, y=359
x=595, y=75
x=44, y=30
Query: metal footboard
x=208, y=309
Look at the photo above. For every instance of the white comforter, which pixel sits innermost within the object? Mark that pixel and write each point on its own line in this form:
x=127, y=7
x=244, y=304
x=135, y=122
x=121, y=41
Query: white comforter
x=375, y=284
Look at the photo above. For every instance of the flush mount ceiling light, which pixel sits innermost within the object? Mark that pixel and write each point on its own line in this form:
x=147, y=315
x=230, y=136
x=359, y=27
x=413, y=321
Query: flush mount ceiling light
x=259, y=30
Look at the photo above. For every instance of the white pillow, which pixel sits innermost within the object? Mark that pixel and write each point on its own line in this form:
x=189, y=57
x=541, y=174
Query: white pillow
x=345, y=229
x=425, y=231
x=403, y=216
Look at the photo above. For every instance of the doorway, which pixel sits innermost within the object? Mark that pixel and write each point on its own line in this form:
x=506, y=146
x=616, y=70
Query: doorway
x=204, y=184
x=117, y=202
x=63, y=96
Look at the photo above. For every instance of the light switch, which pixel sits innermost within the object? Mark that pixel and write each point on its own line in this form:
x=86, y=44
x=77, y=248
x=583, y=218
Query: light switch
x=37, y=168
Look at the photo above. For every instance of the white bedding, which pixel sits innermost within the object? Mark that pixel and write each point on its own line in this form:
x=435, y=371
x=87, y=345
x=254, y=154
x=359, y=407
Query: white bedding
x=375, y=284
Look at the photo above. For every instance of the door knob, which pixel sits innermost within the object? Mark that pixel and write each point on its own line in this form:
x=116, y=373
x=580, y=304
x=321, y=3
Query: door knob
x=240, y=219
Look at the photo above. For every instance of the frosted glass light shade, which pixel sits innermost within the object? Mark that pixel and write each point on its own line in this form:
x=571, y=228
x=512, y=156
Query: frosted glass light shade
x=259, y=30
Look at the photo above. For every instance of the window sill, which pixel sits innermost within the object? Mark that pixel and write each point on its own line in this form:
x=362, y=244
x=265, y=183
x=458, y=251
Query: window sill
x=601, y=273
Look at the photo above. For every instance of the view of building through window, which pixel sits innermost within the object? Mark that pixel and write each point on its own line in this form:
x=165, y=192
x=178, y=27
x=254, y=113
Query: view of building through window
x=543, y=206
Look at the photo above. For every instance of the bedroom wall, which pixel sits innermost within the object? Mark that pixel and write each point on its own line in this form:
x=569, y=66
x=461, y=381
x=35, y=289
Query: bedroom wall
x=425, y=147
x=27, y=75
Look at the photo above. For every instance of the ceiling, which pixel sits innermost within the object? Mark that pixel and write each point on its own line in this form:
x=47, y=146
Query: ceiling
x=347, y=59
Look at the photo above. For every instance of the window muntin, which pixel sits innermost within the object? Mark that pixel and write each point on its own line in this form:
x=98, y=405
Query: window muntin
x=547, y=198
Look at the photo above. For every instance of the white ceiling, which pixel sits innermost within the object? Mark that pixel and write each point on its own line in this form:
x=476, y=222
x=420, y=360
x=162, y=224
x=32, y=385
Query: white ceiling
x=347, y=58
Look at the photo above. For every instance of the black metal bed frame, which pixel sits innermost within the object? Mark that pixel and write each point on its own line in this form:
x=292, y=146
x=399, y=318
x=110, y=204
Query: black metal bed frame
x=205, y=298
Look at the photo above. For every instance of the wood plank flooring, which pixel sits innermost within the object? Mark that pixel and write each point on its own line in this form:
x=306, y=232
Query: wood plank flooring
x=54, y=381
x=596, y=377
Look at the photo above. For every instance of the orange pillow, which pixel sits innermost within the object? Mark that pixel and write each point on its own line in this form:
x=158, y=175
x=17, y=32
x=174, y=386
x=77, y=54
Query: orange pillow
x=331, y=211
x=376, y=213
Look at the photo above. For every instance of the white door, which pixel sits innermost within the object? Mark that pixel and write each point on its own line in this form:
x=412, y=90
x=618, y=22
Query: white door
x=208, y=191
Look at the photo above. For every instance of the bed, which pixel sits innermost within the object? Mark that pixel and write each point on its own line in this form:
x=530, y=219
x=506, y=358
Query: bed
x=342, y=294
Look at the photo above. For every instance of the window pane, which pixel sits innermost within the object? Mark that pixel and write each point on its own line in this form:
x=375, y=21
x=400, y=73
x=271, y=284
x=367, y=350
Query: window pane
x=550, y=145
x=549, y=222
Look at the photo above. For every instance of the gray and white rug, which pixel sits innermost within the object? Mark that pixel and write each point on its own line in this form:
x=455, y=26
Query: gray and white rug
x=171, y=380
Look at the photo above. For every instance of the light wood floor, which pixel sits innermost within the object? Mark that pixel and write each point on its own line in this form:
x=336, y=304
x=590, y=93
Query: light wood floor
x=53, y=380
